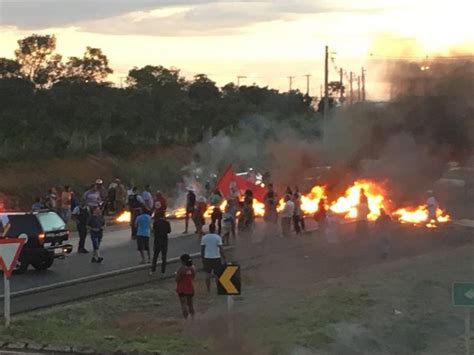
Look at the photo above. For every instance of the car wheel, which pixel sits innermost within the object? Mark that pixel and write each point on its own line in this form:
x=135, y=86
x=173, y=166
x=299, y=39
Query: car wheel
x=21, y=266
x=43, y=264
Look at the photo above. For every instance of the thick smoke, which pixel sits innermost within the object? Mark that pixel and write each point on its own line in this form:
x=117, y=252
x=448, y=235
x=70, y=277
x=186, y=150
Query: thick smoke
x=406, y=141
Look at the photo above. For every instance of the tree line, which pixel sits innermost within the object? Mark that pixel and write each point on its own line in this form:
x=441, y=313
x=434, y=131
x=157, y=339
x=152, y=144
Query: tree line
x=53, y=105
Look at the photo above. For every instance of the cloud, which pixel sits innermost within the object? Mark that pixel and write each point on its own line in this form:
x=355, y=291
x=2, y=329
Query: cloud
x=40, y=14
x=160, y=17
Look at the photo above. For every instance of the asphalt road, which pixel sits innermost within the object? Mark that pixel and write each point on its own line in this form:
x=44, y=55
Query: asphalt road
x=119, y=252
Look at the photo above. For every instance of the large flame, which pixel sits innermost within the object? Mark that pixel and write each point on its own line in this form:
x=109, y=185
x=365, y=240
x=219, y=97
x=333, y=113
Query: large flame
x=347, y=204
x=419, y=215
x=310, y=201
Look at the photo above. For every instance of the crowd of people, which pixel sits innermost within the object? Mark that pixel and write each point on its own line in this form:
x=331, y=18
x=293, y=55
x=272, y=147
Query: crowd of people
x=148, y=217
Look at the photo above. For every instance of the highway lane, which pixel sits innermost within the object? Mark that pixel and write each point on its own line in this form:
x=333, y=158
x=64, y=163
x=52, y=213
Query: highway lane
x=119, y=252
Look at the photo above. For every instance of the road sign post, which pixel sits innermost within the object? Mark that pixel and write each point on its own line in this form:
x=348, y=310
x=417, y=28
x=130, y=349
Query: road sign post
x=228, y=284
x=10, y=249
x=6, y=299
x=463, y=296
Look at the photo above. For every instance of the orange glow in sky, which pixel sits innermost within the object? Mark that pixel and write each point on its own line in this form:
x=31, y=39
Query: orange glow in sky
x=264, y=40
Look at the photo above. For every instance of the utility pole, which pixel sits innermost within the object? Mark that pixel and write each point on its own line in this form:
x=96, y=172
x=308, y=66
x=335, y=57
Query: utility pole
x=341, y=92
x=307, y=83
x=121, y=81
x=358, y=88
x=326, y=82
x=363, y=84
x=240, y=77
x=351, y=79
x=321, y=91
x=291, y=81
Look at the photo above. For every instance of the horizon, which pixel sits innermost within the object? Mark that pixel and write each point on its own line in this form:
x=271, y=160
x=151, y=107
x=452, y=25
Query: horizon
x=265, y=41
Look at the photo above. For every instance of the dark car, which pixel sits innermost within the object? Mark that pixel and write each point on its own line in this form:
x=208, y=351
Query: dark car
x=45, y=233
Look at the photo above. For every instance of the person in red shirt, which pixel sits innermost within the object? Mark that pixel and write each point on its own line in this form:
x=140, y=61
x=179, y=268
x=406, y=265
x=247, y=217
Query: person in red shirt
x=184, y=285
x=161, y=204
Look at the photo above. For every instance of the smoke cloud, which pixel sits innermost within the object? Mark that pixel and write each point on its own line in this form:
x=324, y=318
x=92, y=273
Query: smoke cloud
x=406, y=141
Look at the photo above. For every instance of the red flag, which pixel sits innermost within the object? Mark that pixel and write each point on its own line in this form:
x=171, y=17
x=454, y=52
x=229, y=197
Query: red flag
x=225, y=182
x=229, y=178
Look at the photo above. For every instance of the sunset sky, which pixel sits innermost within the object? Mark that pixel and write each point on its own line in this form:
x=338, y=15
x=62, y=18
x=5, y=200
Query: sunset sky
x=267, y=41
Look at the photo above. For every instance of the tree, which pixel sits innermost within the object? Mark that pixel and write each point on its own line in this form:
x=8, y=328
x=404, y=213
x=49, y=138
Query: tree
x=154, y=76
x=39, y=62
x=9, y=68
x=93, y=67
x=203, y=89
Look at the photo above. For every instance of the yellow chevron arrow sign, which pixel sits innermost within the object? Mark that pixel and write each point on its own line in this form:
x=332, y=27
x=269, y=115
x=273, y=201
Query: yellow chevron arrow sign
x=230, y=281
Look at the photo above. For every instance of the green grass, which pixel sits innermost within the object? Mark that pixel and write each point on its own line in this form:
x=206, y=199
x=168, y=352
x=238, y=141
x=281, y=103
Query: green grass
x=309, y=318
x=127, y=322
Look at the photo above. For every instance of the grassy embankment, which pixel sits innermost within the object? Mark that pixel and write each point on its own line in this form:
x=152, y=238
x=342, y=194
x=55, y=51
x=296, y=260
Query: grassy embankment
x=402, y=307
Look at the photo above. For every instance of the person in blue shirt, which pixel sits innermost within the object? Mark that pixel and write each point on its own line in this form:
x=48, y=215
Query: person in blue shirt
x=143, y=227
x=37, y=205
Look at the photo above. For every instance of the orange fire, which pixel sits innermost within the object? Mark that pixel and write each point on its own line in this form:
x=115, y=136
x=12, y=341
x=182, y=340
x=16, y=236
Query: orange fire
x=347, y=204
x=124, y=217
x=419, y=215
x=310, y=201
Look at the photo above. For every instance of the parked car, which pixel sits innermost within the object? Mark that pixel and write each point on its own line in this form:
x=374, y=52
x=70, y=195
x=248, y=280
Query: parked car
x=45, y=233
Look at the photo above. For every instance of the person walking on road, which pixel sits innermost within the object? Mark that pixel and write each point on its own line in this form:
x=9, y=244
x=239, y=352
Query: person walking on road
x=148, y=199
x=320, y=216
x=271, y=202
x=66, y=199
x=135, y=204
x=161, y=229
x=143, y=226
x=161, y=204
x=216, y=218
x=185, y=285
x=298, y=217
x=198, y=215
x=212, y=254
x=190, y=207
x=51, y=200
x=363, y=210
x=247, y=216
x=92, y=197
x=432, y=207
x=96, y=226
x=287, y=215
x=81, y=215
x=228, y=220
x=120, y=196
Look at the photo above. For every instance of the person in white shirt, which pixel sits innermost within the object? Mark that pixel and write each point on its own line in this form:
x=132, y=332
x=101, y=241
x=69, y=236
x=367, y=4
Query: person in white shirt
x=432, y=206
x=362, y=225
x=287, y=215
x=212, y=254
x=148, y=198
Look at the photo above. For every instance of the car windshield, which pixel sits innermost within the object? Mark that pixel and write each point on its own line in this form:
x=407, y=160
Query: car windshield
x=50, y=221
